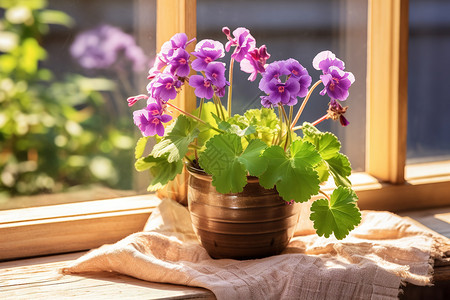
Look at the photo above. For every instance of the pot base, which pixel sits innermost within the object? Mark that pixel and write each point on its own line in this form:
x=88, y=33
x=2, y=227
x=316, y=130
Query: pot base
x=255, y=223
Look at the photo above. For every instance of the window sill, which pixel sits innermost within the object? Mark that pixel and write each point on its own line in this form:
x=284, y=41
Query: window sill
x=38, y=278
x=71, y=227
x=80, y=226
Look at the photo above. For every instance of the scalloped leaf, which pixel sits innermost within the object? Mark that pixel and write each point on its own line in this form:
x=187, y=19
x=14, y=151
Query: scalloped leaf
x=340, y=169
x=292, y=173
x=208, y=109
x=328, y=145
x=251, y=158
x=177, y=139
x=160, y=168
x=228, y=164
x=338, y=216
x=140, y=147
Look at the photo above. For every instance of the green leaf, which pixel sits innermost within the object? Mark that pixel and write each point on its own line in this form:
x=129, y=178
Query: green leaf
x=177, y=139
x=220, y=160
x=292, y=173
x=208, y=109
x=326, y=143
x=161, y=169
x=323, y=170
x=338, y=216
x=264, y=121
x=251, y=158
x=328, y=146
x=140, y=146
x=228, y=164
x=340, y=168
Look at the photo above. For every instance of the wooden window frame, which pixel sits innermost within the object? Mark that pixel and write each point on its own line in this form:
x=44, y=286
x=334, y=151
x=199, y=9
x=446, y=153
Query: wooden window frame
x=387, y=184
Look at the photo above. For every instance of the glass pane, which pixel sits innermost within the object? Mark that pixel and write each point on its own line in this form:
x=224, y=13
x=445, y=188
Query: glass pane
x=428, y=100
x=66, y=69
x=300, y=30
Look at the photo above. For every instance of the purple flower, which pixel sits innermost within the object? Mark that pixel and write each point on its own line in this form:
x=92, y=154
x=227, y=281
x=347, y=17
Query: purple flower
x=101, y=47
x=180, y=40
x=274, y=72
x=299, y=72
x=150, y=119
x=337, y=83
x=206, y=52
x=254, y=62
x=220, y=92
x=179, y=64
x=203, y=87
x=243, y=41
x=216, y=73
x=285, y=93
x=169, y=50
x=132, y=100
x=163, y=87
x=326, y=59
x=265, y=101
x=336, y=111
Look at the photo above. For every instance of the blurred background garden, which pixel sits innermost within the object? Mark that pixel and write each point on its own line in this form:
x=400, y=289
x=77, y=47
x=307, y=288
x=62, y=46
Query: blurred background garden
x=64, y=79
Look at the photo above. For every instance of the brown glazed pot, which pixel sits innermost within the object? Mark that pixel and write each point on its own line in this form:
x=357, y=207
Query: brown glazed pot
x=255, y=223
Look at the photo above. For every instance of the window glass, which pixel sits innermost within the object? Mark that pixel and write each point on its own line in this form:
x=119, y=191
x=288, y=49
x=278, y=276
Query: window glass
x=428, y=98
x=299, y=30
x=66, y=69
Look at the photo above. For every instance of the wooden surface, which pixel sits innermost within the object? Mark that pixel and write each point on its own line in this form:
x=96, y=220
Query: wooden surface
x=71, y=227
x=387, y=67
x=38, y=278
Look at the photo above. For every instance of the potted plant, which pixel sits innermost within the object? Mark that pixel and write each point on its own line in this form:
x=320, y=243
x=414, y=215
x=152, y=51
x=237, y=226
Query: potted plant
x=246, y=171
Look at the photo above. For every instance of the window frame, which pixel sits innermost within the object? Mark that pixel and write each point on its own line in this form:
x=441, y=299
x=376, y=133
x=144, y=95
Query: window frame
x=384, y=186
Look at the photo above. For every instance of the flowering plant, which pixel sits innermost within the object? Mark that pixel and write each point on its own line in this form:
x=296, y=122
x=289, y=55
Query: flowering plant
x=258, y=143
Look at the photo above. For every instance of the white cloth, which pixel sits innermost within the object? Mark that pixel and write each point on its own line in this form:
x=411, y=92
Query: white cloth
x=371, y=263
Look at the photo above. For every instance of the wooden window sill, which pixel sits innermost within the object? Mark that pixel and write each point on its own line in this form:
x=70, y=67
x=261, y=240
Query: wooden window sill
x=63, y=228
x=81, y=226
x=38, y=278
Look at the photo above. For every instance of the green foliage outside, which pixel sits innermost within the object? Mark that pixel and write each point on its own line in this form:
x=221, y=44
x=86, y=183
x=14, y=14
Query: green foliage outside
x=54, y=132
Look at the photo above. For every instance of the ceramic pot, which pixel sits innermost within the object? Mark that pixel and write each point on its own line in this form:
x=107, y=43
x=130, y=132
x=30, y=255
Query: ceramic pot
x=255, y=223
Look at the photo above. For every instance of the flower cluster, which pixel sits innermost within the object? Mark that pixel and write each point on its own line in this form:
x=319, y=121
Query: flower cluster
x=284, y=82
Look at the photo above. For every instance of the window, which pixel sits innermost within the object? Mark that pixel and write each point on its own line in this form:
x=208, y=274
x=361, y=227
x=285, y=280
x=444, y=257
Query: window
x=382, y=186
x=65, y=125
x=429, y=43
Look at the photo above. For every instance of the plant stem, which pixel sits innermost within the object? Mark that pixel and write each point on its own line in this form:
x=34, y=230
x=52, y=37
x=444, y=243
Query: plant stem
x=302, y=107
x=280, y=132
x=325, y=117
x=194, y=117
x=323, y=193
x=321, y=119
x=200, y=108
x=219, y=107
x=194, y=146
x=288, y=129
x=189, y=159
x=230, y=88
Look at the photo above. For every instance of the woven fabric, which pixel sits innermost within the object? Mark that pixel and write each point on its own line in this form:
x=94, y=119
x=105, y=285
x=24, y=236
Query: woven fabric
x=383, y=252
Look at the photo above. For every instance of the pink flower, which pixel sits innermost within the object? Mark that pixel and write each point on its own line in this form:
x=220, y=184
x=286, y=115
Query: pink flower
x=255, y=61
x=150, y=119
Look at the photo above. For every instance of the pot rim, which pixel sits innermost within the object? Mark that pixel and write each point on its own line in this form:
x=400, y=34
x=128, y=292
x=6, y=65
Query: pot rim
x=201, y=174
